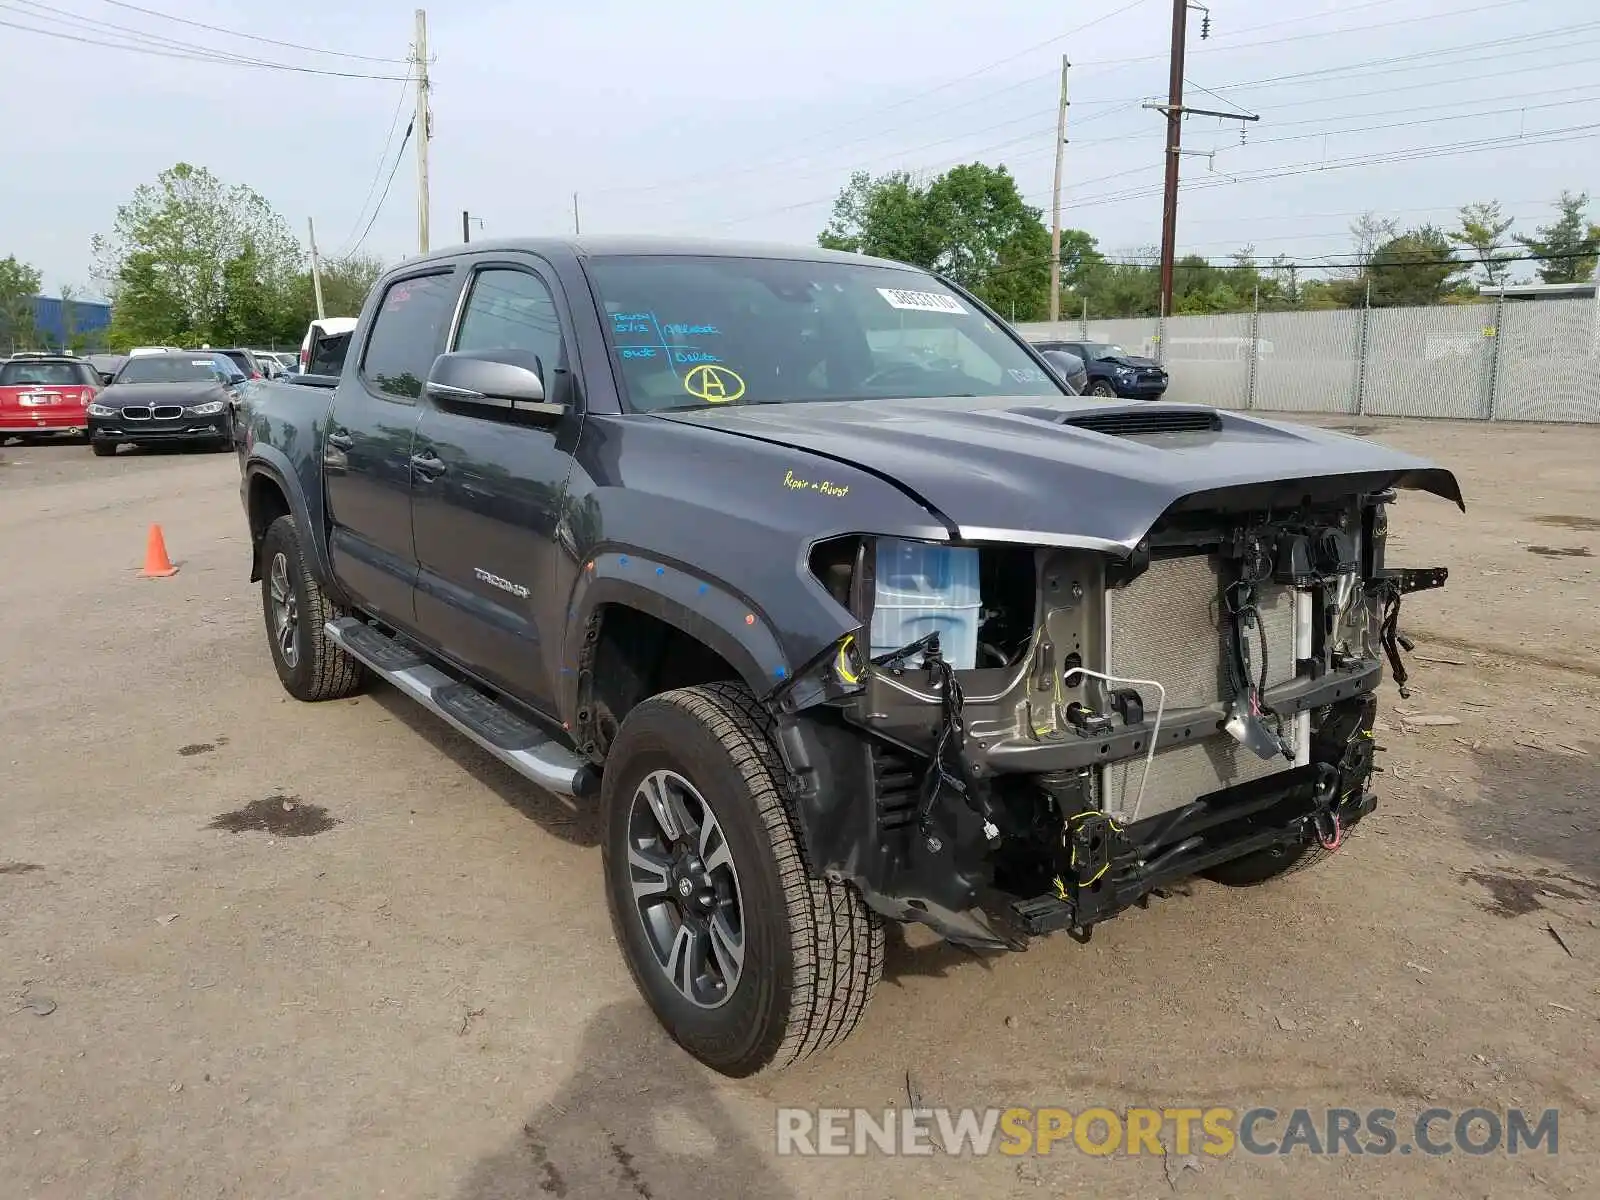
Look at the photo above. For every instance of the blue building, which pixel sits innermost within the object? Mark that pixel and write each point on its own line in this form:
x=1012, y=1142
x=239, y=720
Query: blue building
x=56, y=324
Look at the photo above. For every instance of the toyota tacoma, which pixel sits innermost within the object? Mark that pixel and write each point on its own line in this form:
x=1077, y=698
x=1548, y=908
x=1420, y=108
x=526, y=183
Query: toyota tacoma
x=810, y=573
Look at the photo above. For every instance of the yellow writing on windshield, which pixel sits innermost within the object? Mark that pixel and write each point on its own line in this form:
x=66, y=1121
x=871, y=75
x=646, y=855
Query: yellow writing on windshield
x=714, y=384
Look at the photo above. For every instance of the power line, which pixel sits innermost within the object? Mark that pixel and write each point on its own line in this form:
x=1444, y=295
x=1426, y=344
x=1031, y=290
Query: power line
x=751, y=168
x=1214, y=51
x=383, y=157
x=399, y=154
x=150, y=12
x=174, y=50
x=1119, y=104
x=1538, y=138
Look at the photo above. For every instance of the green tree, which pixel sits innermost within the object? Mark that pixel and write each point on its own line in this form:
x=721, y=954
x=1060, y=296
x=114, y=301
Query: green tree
x=990, y=241
x=886, y=216
x=969, y=224
x=19, y=284
x=1569, y=246
x=1418, y=267
x=345, y=284
x=191, y=258
x=1483, y=230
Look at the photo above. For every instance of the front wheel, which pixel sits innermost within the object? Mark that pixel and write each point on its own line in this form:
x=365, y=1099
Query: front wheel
x=103, y=449
x=748, y=962
x=1263, y=866
x=1101, y=388
x=310, y=666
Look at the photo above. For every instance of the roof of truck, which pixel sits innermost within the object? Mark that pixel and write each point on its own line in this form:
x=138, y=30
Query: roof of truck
x=635, y=244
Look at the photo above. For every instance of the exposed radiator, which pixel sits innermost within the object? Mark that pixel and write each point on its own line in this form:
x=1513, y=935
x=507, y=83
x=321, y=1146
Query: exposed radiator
x=1168, y=625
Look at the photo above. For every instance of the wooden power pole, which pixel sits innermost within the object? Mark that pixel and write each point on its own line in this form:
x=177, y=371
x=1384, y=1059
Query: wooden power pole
x=1175, y=111
x=316, y=267
x=1169, y=192
x=1055, y=201
x=423, y=131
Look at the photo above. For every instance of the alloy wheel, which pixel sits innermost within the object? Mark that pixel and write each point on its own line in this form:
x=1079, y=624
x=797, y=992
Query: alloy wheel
x=285, y=610
x=686, y=888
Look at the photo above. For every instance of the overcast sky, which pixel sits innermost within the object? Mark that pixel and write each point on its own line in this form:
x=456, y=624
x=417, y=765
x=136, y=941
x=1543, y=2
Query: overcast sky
x=743, y=119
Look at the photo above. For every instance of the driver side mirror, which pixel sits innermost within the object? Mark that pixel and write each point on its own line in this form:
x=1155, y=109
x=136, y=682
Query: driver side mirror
x=500, y=380
x=1067, y=367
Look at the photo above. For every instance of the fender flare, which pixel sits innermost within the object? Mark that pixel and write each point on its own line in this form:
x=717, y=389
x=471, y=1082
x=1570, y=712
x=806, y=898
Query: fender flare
x=705, y=609
x=271, y=463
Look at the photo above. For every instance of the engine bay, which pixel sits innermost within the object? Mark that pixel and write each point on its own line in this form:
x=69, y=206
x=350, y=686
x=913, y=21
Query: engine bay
x=1108, y=723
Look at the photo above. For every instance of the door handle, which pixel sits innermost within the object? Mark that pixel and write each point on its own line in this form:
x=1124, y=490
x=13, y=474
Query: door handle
x=429, y=465
x=340, y=439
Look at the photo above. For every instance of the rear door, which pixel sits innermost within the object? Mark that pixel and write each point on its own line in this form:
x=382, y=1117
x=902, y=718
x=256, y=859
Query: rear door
x=366, y=452
x=487, y=490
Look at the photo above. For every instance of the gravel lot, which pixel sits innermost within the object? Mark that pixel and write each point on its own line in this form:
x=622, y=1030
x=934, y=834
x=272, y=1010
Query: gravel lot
x=335, y=951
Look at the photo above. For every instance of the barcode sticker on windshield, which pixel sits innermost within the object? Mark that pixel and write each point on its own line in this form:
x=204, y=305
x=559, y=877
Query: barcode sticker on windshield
x=922, y=301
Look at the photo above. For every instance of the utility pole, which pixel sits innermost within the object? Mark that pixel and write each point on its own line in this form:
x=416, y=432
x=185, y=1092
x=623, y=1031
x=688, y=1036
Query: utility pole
x=1055, y=202
x=576, y=228
x=423, y=130
x=1169, y=193
x=316, y=267
x=1175, y=111
x=466, y=222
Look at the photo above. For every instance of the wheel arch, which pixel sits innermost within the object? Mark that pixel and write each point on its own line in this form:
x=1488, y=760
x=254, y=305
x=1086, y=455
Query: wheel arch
x=737, y=639
x=268, y=495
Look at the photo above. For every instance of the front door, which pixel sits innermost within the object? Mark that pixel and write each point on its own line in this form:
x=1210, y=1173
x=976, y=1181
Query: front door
x=487, y=489
x=366, y=449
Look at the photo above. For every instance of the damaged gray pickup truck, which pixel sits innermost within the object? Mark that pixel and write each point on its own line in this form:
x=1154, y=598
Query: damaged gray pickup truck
x=806, y=569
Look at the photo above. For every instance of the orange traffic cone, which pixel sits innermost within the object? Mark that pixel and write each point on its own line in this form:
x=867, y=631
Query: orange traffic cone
x=156, y=563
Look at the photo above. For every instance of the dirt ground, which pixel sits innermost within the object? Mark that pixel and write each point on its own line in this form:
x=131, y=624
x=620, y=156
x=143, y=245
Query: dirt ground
x=253, y=948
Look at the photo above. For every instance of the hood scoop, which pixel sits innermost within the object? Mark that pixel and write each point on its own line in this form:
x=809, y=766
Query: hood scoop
x=1146, y=420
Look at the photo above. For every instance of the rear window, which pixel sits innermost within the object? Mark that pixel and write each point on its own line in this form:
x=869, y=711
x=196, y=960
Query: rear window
x=175, y=369
x=328, y=354
x=46, y=374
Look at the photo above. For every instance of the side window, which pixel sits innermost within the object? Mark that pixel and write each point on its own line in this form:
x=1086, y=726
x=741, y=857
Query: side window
x=512, y=310
x=405, y=335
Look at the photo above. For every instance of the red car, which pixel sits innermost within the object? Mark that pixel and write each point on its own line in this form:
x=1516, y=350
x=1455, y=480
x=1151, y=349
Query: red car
x=43, y=395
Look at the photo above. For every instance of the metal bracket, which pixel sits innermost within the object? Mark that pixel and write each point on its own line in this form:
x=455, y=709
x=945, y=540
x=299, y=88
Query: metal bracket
x=1417, y=579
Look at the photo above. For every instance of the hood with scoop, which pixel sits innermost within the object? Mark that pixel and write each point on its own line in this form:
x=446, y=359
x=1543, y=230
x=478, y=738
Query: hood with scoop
x=1068, y=472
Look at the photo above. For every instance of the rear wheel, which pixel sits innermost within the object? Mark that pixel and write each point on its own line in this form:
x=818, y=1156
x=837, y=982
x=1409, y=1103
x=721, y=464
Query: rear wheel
x=103, y=449
x=310, y=666
x=748, y=962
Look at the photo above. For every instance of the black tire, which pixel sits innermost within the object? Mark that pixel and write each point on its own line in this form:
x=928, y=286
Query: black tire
x=311, y=667
x=1263, y=866
x=103, y=449
x=1101, y=388
x=812, y=951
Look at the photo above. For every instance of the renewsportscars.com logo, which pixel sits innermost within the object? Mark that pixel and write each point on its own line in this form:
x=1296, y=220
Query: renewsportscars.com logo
x=1217, y=1132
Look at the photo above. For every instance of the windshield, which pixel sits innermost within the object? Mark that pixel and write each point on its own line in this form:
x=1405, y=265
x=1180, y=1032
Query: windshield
x=47, y=374
x=174, y=369
x=687, y=332
x=1097, y=351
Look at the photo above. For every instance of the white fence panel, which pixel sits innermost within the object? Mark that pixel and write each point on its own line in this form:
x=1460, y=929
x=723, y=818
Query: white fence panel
x=1208, y=359
x=1429, y=362
x=1549, y=361
x=1308, y=361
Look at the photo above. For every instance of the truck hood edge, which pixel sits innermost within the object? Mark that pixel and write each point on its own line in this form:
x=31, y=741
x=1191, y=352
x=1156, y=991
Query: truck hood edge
x=1015, y=469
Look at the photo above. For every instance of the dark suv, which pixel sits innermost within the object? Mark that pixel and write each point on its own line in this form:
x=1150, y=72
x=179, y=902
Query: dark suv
x=1115, y=372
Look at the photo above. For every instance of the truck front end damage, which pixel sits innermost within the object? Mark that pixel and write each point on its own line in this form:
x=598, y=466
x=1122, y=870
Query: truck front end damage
x=1133, y=715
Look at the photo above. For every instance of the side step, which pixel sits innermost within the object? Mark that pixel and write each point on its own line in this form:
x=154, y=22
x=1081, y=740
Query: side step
x=518, y=743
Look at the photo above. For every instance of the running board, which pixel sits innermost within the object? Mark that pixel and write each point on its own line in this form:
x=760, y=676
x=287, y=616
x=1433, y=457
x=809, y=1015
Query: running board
x=518, y=743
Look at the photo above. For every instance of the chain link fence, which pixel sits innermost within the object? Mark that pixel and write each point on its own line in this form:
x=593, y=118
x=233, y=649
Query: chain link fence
x=1518, y=360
